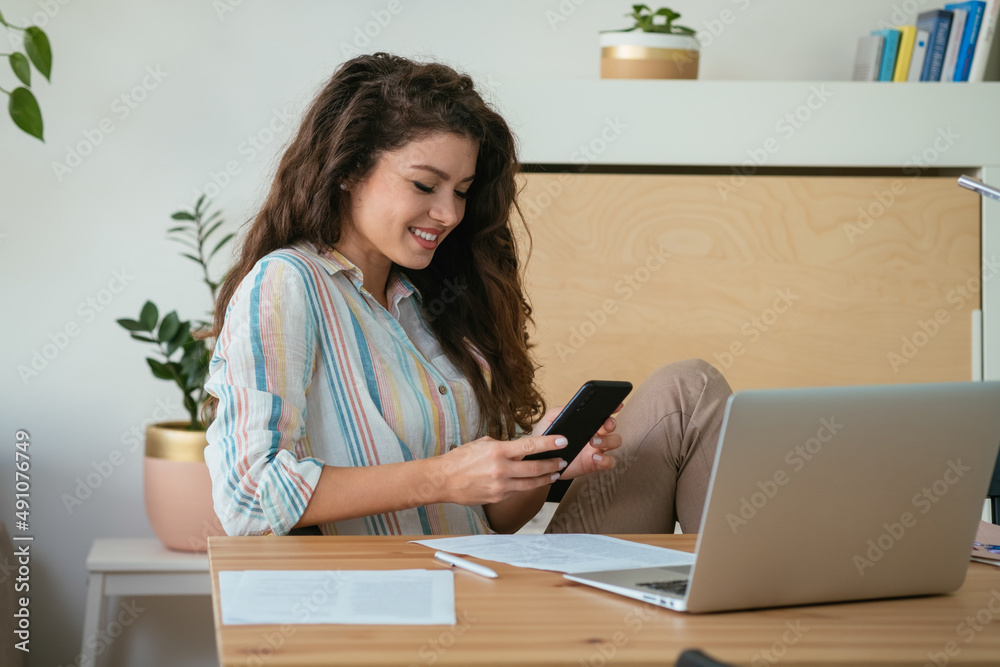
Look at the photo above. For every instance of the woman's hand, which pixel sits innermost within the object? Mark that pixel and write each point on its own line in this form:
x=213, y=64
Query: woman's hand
x=487, y=471
x=593, y=457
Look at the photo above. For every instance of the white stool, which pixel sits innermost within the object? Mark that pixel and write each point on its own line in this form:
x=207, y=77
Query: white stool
x=137, y=567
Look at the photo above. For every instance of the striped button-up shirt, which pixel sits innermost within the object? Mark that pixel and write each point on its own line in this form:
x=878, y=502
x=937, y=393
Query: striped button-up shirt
x=310, y=369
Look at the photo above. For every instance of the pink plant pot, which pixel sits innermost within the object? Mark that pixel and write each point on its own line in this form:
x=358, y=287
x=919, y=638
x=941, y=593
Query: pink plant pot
x=178, y=488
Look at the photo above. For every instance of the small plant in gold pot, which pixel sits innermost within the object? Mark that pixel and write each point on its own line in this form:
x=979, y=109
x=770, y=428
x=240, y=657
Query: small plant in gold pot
x=176, y=483
x=655, y=47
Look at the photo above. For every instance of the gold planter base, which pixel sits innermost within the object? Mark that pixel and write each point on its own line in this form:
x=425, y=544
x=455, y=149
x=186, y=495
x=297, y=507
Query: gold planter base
x=644, y=62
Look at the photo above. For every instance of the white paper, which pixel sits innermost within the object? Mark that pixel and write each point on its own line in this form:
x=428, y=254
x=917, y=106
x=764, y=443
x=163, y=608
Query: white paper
x=367, y=597
x=570, y=553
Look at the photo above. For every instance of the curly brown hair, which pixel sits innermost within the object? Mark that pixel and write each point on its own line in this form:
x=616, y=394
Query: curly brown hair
x=377, y=103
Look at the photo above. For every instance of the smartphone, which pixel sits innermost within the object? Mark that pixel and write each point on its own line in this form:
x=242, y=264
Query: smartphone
x=583, y=416
x=980, y=187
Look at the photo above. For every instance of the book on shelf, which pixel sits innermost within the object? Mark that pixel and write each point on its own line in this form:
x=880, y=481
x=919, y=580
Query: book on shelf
x=919, y=53
x=985, y=47
x=975, y=8
x=907, y=36
x=868, y=59
x=890, y=47
x=954, y=44
x=937, y=22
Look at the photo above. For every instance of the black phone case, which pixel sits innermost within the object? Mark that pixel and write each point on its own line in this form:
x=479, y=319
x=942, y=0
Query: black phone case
x=583, y=416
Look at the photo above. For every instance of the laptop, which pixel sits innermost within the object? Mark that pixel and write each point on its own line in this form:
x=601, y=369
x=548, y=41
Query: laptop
x=834, y=494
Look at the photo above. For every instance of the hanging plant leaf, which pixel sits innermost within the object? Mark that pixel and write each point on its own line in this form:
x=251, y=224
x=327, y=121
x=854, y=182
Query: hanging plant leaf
x=21, y=67
x=24, y=111
x=182, y=215
x=37, y=46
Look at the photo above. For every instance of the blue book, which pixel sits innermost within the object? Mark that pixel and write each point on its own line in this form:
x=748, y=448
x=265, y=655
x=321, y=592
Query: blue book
x=937, y=23
x=889, y=49
x=976, y=9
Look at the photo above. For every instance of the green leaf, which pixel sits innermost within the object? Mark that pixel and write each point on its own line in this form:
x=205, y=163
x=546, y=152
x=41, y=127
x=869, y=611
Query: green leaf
x=21, y=67
x=168, y=327
x=178, y=229
x=144, y=339
x=149, y=316
x=2, y=22
x=131, y=325
x=180, y=338
x=197, y=206
x=182, y=215
x=192, y=258
x=186, y=243
x=37, y=46
x=24, y=111
x=223, y=242
x=211, y=229
x=159, y=370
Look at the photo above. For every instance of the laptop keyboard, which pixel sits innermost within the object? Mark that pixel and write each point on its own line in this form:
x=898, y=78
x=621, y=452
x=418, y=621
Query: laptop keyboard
x=673, y=587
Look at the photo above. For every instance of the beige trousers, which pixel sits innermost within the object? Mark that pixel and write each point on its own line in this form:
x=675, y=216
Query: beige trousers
x=670, y=428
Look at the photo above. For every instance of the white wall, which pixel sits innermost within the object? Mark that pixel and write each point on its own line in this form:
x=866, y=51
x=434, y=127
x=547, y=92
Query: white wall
x=62, y=238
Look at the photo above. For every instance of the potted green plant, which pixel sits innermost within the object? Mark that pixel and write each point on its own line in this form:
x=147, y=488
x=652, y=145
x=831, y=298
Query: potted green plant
x=177, y=486
x=655, y=47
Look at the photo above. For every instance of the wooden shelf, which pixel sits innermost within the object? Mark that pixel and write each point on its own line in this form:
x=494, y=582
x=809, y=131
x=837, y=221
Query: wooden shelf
x=713, y=123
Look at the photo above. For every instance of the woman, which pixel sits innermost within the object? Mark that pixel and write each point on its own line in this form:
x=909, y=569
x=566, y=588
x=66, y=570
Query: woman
x=372, y=370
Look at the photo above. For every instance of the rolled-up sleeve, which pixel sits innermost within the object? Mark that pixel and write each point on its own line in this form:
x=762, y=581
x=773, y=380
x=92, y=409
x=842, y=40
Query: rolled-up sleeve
x=260, y=372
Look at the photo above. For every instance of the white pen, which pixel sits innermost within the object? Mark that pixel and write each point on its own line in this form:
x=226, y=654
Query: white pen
x=475, y=568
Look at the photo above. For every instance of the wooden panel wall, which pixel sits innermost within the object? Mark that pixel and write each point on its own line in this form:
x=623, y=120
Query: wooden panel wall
x=778, y=281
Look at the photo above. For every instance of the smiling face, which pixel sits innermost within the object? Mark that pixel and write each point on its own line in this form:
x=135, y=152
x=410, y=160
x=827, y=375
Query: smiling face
x=414, y=197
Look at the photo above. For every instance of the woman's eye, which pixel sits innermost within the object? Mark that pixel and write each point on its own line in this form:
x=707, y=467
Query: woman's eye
x=430, y=190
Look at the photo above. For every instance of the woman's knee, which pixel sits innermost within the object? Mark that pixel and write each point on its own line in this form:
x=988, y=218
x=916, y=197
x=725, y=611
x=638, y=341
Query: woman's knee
x=691, y=372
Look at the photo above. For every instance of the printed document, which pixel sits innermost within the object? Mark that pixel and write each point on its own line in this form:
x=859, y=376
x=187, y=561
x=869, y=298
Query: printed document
x=367, y=597
x=570, y=553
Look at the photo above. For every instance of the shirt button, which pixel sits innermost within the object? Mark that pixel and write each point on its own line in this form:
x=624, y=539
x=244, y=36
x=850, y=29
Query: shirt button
x=443, y=389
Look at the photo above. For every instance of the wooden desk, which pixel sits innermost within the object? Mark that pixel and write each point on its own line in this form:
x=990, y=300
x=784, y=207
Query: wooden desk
x=532, y=617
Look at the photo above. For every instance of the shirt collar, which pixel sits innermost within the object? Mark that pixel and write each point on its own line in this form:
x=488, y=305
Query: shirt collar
x=398, y=287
